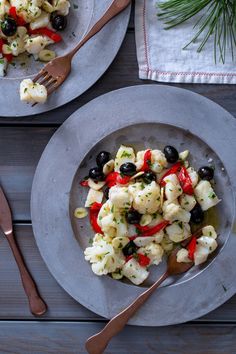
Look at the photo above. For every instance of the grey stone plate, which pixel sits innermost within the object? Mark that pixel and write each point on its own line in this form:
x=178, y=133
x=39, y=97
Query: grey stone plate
x=143, y=116
x=85, y=70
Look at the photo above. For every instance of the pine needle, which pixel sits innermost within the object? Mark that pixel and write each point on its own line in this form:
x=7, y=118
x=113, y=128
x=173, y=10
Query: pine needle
x=218, y=20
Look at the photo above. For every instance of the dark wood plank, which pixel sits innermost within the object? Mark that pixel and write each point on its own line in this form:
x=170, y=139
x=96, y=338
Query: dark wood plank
x=124, y=72
x=20, y=151
x=13, y=303
x=68, y=338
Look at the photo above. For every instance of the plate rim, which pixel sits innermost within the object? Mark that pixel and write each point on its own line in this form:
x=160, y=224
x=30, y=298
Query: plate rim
x=23, y=110
x=135, y=321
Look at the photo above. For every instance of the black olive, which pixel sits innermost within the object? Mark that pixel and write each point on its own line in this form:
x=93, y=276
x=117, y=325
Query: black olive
x=102, y=158
x=9, y=27
x=197, y=214
x=106, y=193
x=128, y=169
x=133, y=217
x=149, y=176
x=129, y=249
x=96, y=174
x=171, y=154
x=59, y=22
x=206, y=172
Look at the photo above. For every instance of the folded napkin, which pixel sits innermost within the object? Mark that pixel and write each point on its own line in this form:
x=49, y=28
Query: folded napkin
x=161, y=57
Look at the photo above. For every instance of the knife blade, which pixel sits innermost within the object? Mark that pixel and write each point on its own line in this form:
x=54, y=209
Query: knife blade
x=5, y=214
x=36, y=304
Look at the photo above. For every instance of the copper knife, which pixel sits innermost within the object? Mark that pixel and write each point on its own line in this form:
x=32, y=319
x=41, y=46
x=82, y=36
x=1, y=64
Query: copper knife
x=36, y=304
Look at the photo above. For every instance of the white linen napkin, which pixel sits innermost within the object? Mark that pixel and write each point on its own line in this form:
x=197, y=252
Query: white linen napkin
x=161, y=57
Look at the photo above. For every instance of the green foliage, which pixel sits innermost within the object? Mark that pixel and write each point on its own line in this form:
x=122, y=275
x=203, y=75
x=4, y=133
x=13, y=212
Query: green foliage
x=217, y=18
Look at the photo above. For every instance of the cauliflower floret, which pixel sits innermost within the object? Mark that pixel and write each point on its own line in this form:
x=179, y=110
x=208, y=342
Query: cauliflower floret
x=167, y=244
x=32, y=92
x=3, y=66
x=146, y=198
x=209, y=231
x=111, y=221
x=175, y=212
x=152, y=251
x=120, y=224
x=182, y=256
x=120, y=242
x=124, y=154
x=157, y=163
x=120, y=197
x=105, y=219
x=104, y=258
x=40, y=21
x=200, y=255
x=34, y=44
x=178, y=231
x=134, y=272
x=93, y=197
x=205, y=246
x=17, y=46
x=205, y=195
x=193, y=176
x=4, y=8
x=207, y=242
x=187, y=202
x=29, y=10
x=172, y=188
x=61, y=6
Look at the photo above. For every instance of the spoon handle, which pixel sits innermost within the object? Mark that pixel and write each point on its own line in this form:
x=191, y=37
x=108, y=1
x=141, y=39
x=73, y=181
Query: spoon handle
x=37, y=305
x=98, y=342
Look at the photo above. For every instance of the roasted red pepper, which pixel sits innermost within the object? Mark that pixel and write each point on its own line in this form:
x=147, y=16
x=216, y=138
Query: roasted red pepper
x=46, y=32
x=185, y=181
x=94, y=210
x=1, y=44
x=128, y=258
x=122, y=180
x=84, y=183
x=19, y=20
x=150, y=231
x=173, y=170
x=143, y=260
x=192, y=248
x=114, y=177
x=111, y=179
x=146, y=161
x=9, y=57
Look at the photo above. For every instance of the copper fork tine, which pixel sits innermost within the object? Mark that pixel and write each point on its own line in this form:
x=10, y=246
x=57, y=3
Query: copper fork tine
x=59, y=68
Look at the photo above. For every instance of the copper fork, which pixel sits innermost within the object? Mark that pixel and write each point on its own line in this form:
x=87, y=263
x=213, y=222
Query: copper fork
x=98, y=342
x=57, y=70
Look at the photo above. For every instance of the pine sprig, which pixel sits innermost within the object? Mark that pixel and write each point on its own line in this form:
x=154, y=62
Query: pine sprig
x=218, y=19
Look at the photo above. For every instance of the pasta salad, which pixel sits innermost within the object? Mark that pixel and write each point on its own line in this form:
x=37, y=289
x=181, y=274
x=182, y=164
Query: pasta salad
x=30, y=26
x=141, y=206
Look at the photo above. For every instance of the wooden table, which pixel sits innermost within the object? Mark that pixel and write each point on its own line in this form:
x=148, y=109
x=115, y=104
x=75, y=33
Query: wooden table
x=67, y=324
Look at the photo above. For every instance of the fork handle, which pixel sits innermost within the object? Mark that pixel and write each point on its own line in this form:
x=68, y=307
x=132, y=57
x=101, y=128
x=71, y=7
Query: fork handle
x=116, y=7
x=97, y=343
x=36, y=304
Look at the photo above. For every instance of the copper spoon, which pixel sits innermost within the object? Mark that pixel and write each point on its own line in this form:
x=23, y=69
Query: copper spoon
x=36, y=304
x=57, y=70
x=97, y=343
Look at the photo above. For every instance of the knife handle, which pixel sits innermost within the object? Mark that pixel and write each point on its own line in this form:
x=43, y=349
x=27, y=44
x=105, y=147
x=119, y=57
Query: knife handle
x=36, y=304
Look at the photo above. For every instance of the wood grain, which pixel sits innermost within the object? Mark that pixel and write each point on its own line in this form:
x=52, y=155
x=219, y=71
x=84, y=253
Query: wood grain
x=68, y=338
x=13, y=303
